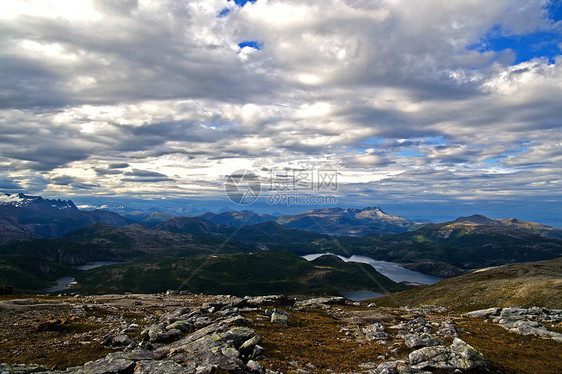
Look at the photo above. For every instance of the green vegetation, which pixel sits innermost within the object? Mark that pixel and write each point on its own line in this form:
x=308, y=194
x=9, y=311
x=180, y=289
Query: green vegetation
x=271, y=272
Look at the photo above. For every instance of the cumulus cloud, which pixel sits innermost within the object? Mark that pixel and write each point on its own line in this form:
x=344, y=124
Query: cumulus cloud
x=148, y=98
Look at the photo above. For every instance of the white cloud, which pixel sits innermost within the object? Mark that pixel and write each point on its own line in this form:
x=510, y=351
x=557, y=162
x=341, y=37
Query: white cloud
x=164, y=87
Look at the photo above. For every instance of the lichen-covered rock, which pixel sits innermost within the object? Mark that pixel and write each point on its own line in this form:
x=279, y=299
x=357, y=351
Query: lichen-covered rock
x=459, y=355
x=248, y=345
x=255, y=367
x=430, y=357
x=423, y=340
x=107, y=365
x=238, y=335
x=375, y=332
x=465, y=357
x=279, y=318
x=483, y=313
x=21, y=369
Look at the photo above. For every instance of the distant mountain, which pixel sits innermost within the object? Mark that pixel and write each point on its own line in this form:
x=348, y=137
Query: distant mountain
x=466, y=244
x=261, y=236
x=52, y=218
x=348, y=222
x=193, y=226
x=513, y=223
x=234, y=218
x=13, y=231
x=155, y=218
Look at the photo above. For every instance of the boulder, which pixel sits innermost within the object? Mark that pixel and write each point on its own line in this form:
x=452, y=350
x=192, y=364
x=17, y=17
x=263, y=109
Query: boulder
x=466, y=357
x=483, y=313
x=423, y=340
x=279, y=318
x=375, y=332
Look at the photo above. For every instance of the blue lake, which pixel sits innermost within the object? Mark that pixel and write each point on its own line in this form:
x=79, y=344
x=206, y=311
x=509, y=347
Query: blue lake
x=392, y=270
x=62, y=284
x=66, y=282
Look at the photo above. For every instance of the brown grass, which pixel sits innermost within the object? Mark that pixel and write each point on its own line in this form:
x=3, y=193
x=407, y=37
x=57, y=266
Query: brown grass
x=313, y=337
x=510, y=352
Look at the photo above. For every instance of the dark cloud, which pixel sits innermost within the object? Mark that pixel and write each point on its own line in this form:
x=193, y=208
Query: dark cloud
x=120, y=165
x=7, y=184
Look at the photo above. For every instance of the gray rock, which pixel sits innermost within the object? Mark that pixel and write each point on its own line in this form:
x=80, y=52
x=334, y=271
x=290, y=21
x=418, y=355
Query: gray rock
x=161, y=336
x=248, y=345
x=202, y=322
x=375, y=332
x=175, y=315
x=121, y=341
x=255, y=367
x=390, y=367
x=424, y=340
x=466, y=357
x=258, y=352
x=105, y=365
x=320, y=301
x=483, y=313
x=158, y=367
x=279, y=318
x=21, y=369
x=183, y=326
x=430, y=357
x=238, y=335
x=459, y=355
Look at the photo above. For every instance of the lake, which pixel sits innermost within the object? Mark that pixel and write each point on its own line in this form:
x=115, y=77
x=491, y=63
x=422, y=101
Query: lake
x=392, y=270
x=360, y=295
x=62, y=284
x=66, y=282
x=96, y=264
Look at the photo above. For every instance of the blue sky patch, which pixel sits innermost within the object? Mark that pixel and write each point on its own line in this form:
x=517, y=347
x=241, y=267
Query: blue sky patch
x=540, y=44
x=410, y=152
x=243, y=2
x=492, y=161
x=434, y=140
x=224, y=12
x=250, y=43
x=526, y=47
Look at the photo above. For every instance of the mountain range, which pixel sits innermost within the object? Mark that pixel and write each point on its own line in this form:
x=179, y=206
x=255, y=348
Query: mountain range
x=47, y=218
x=42, y=239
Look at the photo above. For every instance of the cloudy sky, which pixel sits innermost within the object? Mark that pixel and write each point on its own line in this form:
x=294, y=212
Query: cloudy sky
x=426, y=108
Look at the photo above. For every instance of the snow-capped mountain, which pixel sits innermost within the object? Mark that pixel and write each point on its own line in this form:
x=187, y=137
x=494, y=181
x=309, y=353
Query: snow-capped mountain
x=49, y=218
x=21, y=200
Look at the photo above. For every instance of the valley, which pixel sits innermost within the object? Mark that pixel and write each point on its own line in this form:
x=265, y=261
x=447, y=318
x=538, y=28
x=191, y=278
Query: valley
x=247, y=293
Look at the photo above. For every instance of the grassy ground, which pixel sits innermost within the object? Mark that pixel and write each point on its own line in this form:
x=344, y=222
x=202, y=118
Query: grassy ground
x=527, y=284
x=314, y=339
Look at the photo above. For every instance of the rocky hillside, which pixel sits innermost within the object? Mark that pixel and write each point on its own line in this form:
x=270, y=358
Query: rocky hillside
x=525, y=284
x=48, y=218
x=185, y=333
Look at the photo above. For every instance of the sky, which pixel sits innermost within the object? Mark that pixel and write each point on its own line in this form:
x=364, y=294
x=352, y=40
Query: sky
x=429, y=109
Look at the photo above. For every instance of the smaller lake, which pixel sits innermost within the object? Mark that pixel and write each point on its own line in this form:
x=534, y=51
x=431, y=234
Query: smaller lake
x=96, y=264
x=392, y=270
x=65, y=283
x=360, y=295
x=62, y=284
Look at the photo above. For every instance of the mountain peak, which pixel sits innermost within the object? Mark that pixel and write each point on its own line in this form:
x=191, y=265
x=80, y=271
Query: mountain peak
x=23, y=200
x=478, y=219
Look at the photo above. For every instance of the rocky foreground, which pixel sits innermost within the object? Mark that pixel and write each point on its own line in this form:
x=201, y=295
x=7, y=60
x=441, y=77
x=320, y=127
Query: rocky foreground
x=271, y=334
